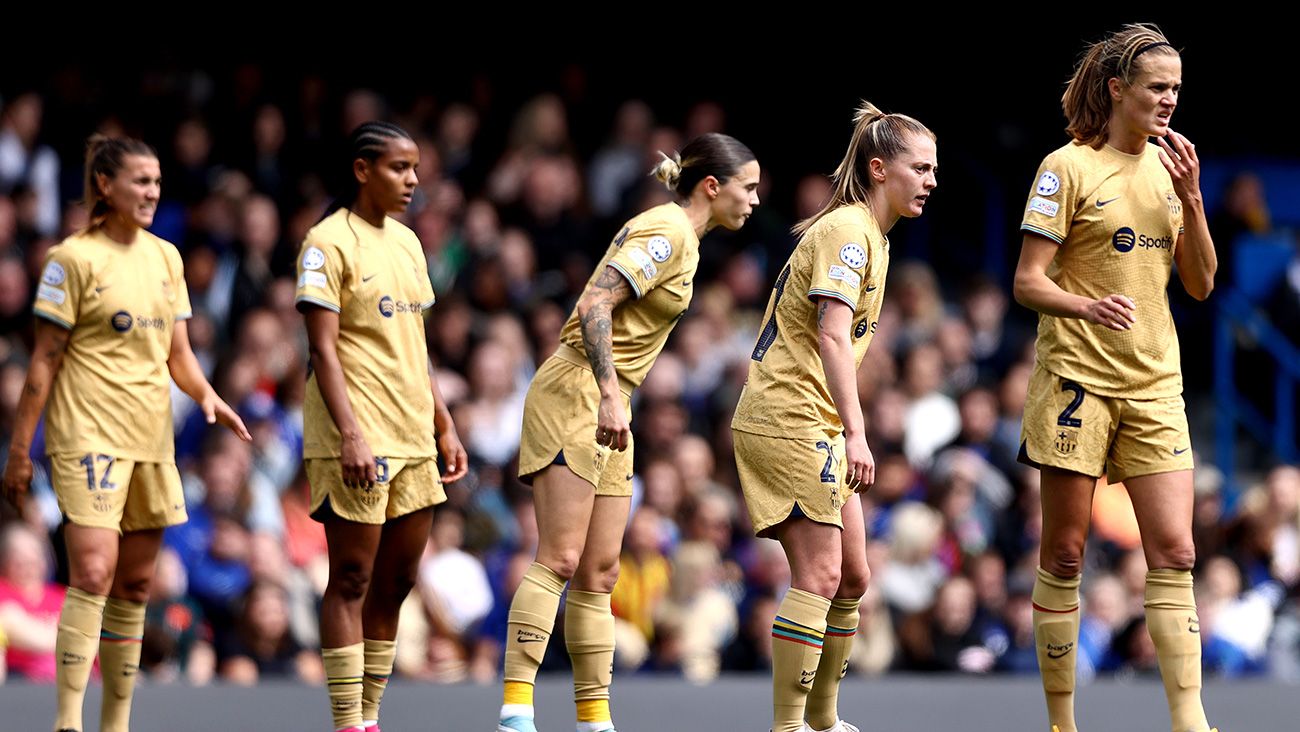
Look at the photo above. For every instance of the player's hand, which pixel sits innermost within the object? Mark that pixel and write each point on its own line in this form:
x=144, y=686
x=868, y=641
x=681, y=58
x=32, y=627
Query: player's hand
x=860, y=473
x=1113, y=311
x=612, y=429
x=216, y=411
x=454, y=455
x=18, y=477
x=1178, y=155
x=358, y=463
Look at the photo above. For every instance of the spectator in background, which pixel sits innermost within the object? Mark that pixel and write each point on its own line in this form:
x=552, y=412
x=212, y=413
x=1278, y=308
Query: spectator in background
x=29, y=604
x=28, y=167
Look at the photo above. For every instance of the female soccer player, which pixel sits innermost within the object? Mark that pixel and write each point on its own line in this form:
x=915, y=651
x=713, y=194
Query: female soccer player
x=374, y=420
x=800, y=442
x=1109, y=215
x=577, y=446
x=110, y=337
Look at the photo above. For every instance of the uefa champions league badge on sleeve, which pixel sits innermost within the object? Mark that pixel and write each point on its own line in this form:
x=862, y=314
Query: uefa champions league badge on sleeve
x=660, y=248
x=313, y=258
x=1048, y=183
x=853, y=255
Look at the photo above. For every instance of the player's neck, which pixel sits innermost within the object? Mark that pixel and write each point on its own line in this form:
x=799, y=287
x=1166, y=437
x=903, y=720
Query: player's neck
x=1126, y=140
x=119, y=230
x=698, y=213
x=880, y=210
x=369, y=212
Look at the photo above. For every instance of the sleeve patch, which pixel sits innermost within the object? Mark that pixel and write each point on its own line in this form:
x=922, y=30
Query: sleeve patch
x=643, y=261
x=313, y=258
x=53, y=294
x=53, y=274
x=1044, y=206
x=853, y=255
x=1048, y=183
x=312, y=279
x=660, y=248
x=845, y=274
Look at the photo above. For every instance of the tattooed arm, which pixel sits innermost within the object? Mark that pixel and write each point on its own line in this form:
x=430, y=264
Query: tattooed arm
x=47, y=359
x=835, y=343
x=596, y=312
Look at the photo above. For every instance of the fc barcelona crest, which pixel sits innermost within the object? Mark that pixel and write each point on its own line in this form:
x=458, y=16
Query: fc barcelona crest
x=1067, y=441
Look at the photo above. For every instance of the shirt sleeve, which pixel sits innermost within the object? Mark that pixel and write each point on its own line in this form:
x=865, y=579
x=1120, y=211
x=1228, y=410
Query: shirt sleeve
x=839, y=265
x=59, y=293
x=427, y=296
x=320, y=276
x=646, y=258
x=181, y=308
x=1053, y=200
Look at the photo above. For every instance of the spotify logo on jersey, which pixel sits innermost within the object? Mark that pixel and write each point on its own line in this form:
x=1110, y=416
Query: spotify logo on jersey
x=1124, y=240
x=121, y=321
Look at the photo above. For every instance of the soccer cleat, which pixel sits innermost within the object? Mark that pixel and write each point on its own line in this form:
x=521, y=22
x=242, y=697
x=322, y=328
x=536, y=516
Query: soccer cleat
x=516, y=724
x=839, y=726
x=372, y=728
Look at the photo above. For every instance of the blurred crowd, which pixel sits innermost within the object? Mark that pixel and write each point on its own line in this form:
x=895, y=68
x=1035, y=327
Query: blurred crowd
x=512, y=217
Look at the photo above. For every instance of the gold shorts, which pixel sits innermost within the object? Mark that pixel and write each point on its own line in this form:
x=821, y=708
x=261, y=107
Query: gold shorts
x=402, y=486
x=1067, y=427
x=560, y=428
x=116, y=493
x=778, y=474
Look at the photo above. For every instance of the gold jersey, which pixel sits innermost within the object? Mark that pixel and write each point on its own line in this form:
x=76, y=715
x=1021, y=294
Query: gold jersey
x=377, y=280
x=658, y=252
x=843, y=256
x=1117, y=220
x=120, y=302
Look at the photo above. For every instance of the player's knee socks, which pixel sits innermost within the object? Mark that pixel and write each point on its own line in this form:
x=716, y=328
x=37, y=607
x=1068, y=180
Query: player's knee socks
x=841, y=627
x=78, y=637
x=797, y=635
x=1175, y=630
x=589, y=636
x=378, y=667
x=1056, y=635
x=119, y=661
x=531, y=620
x=343, y=670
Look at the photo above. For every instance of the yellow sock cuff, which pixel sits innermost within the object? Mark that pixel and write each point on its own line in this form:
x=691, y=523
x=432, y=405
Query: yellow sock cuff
x=1170, y=588
x=594, y=710
x=379, y=656
x=801, y=618
x=82, y=610
x=518, y=692
x=543, y=576
x=843, y=618
x=123, y=621
x=1054, y=594
x=344, y=665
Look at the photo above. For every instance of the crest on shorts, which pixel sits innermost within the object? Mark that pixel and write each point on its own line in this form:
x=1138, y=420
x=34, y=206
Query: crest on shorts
x=103, y=503
x=1067, y=441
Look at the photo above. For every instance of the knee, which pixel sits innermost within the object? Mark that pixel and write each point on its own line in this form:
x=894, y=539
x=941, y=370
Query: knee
x=600, y=576
x=349, y=582
x=134, y=589
x=563, y=562
x=1064, y=558
x=853, y=584
x=822, y=580
x=399, y=582
x=93, y=575
x=1180, y=556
